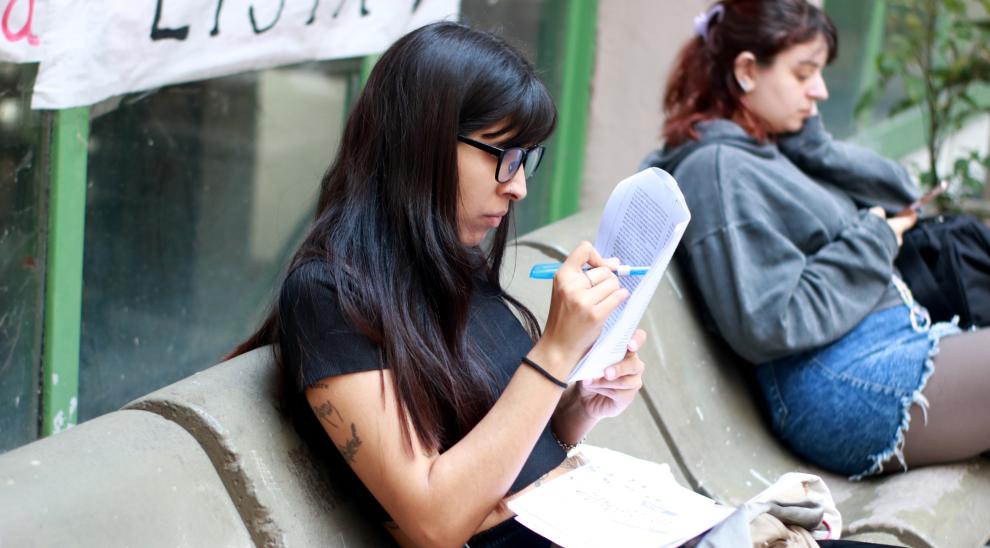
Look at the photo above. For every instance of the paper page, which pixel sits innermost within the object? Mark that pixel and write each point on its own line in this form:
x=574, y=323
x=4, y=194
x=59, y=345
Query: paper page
x=643, y=222
x=617, y=500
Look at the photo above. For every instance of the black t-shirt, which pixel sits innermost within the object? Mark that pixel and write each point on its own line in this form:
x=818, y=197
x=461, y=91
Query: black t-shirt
x=318, y=342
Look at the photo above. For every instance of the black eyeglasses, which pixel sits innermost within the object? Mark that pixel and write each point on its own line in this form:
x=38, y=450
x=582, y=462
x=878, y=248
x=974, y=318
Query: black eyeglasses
x=509, y=159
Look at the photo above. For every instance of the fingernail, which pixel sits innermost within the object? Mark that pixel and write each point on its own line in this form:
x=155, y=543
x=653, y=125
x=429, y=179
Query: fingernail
x=610, y=373
x=633, y=345
x=614, y=262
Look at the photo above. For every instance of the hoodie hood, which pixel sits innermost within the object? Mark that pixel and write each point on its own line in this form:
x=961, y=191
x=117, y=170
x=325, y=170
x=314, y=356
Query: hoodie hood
x=710, y=132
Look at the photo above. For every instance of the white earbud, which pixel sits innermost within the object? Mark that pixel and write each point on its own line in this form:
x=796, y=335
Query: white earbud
x=746, y=85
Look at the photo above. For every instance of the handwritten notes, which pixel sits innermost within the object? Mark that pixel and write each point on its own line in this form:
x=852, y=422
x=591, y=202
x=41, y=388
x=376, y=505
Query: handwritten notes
x=617, y=500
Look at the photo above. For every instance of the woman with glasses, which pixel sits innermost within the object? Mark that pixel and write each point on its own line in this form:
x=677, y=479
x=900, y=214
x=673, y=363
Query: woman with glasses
x=791, y=245
x=396, y=341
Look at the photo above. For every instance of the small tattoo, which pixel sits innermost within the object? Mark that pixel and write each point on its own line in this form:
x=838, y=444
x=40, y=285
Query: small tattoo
x=328, y=414
x=349, y=450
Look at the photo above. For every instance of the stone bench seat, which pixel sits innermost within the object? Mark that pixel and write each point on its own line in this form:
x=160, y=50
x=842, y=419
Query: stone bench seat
x=211, y=460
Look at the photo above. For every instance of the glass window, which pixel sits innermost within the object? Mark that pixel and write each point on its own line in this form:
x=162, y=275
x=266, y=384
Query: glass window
x=197, y=195
x=22, y=255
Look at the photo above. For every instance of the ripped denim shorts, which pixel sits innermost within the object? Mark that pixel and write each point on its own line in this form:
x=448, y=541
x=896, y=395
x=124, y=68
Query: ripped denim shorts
x=845, y=406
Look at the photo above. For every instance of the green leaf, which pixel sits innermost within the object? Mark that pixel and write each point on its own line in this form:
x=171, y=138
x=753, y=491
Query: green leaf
x=955, y=7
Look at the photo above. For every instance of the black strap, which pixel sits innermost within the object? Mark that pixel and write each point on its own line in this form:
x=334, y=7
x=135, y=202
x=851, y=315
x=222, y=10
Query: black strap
x=544, y=372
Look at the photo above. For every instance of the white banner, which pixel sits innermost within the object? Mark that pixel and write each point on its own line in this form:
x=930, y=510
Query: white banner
x=19, y=31
x=94, y=49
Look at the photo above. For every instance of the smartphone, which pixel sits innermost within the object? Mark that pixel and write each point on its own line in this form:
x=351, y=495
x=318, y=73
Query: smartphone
x=928, y=197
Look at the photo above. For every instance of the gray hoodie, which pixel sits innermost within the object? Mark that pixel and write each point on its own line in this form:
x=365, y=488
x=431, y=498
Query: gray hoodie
x=781, y=245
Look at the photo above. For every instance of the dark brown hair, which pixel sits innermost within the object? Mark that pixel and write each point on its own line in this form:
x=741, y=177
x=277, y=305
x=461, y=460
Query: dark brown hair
x=703, y=86
x=386, y=220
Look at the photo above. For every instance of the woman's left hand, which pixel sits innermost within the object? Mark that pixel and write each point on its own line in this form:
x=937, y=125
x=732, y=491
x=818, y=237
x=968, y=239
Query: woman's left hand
x=610, y=395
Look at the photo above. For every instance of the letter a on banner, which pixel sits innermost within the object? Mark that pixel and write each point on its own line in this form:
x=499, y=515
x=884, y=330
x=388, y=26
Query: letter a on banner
x=19, y=41
x=95, y=49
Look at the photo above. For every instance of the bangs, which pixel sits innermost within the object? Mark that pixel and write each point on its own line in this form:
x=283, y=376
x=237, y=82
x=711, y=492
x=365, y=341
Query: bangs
x=532, y=118
x=527, y=111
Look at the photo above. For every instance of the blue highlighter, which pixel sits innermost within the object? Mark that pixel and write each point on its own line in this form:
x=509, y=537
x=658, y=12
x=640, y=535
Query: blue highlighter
x=545, y=271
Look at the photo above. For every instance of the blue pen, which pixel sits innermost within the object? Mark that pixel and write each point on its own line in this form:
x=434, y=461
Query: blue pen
x=545, y=271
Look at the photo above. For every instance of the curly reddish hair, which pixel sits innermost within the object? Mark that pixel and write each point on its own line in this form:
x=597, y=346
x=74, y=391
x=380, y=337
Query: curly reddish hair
x=703, y=86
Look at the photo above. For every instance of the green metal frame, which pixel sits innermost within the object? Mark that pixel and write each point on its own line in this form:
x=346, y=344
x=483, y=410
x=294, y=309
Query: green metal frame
x=580, y=21
x=64, y=273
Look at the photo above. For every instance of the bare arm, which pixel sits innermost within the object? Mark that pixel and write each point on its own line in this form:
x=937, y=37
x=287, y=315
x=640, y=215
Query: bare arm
x=441, y=499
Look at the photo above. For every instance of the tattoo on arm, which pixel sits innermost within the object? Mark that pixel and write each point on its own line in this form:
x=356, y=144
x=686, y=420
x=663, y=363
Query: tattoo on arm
x=329, y=414
x=349, y=450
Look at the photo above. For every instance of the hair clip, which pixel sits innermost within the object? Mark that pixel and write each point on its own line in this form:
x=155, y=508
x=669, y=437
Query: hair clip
x=704, y=19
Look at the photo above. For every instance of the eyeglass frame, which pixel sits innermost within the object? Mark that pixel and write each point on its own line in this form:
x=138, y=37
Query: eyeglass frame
x=501, y=152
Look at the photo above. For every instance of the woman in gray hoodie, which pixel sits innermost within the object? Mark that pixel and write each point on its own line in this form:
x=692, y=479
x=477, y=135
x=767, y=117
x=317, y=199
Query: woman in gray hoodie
x=791, y=246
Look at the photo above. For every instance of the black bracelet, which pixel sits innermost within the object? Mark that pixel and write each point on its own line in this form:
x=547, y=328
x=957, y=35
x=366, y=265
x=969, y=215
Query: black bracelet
x=544, y=372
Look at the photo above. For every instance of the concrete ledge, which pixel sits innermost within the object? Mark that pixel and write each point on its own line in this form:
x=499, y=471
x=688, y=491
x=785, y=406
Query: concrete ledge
x=282, y=493
x=128, y=478
x=212, y=461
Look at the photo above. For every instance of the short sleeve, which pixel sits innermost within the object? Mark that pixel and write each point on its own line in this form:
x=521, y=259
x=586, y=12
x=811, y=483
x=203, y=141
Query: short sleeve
x=317, y=340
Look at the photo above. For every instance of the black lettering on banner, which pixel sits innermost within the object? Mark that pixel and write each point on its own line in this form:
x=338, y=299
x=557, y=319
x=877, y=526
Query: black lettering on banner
x=216, y=19
x=340, y=6
x=254, y=25
x=312, y=13
x=157, y=33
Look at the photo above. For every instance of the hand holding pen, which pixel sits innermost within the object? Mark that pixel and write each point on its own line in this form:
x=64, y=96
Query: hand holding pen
x=582, y=298
x=545, y=271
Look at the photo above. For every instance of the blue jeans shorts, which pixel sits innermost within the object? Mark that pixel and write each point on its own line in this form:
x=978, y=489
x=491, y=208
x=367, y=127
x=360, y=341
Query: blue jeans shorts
x=845, y=406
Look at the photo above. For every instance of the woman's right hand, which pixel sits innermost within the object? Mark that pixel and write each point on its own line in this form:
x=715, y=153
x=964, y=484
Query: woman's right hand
x=581, y=302
x=899, y=223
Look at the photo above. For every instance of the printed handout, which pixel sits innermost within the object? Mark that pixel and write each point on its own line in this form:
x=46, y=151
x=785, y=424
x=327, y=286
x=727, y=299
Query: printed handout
x=643, y=222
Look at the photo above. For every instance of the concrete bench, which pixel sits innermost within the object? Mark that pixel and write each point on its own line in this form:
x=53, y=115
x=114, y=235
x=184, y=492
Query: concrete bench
x=129, y=478
x=712, y=427
x=212, y=461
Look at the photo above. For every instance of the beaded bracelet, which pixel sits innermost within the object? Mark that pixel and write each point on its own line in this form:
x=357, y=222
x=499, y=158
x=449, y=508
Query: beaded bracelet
x=544, y=372
x=566, y=446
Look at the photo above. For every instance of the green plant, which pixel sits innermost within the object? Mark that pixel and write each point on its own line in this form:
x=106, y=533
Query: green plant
x=937, y=53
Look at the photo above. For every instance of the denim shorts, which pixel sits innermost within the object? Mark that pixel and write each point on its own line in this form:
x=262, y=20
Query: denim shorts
x=845, y=406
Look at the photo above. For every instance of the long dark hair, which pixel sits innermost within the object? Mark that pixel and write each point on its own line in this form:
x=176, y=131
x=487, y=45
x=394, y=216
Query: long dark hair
x=386, y=221
x=703, y=86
